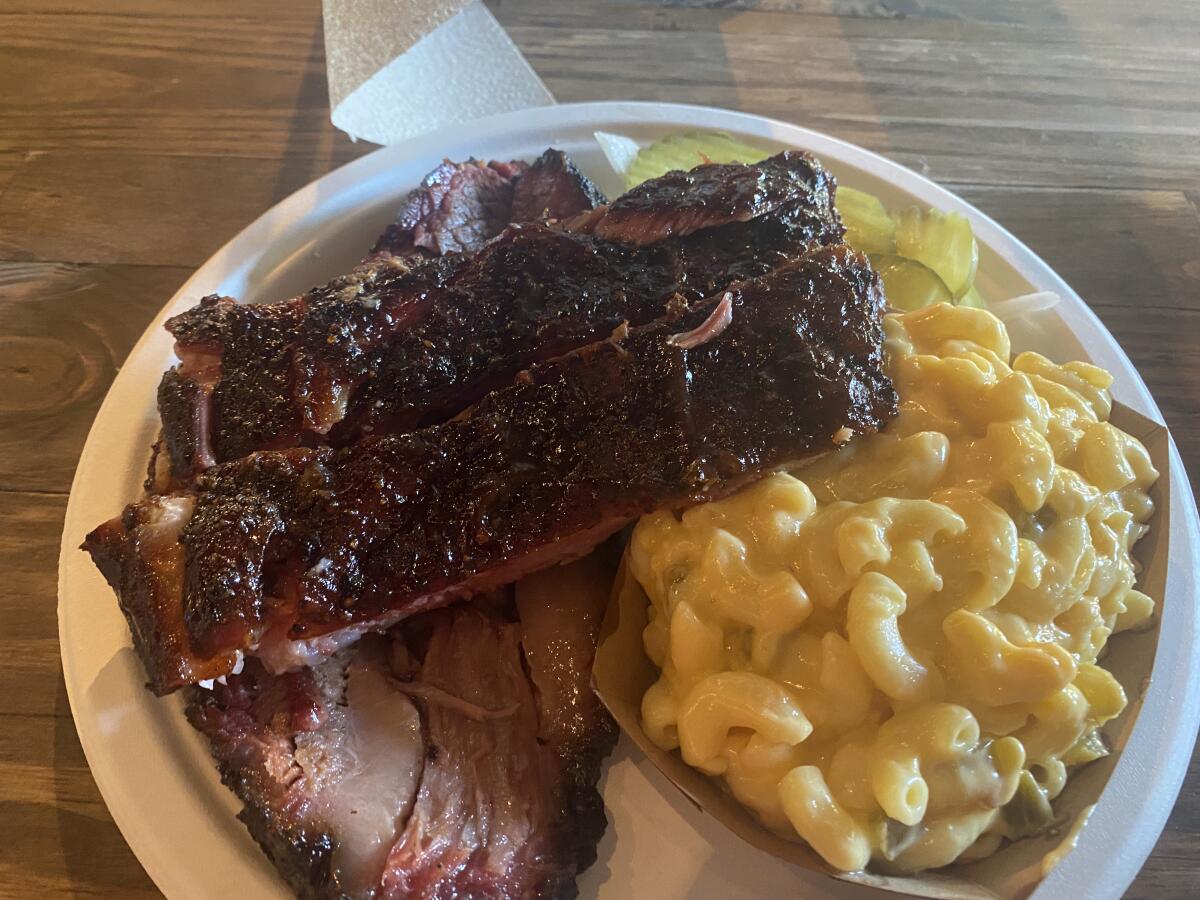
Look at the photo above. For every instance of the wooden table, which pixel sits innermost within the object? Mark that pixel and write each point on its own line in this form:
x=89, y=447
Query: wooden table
x=136, y=136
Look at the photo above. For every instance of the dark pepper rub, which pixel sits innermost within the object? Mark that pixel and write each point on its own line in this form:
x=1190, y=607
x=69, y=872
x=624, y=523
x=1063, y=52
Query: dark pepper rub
x=680, y=203
x=398, y=344
x=538, y=472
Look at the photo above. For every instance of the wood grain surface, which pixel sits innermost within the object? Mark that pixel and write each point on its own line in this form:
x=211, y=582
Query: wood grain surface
x=136, y=136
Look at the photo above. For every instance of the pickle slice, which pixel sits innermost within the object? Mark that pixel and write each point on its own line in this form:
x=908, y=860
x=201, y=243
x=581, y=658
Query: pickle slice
x=1029, y=811
x=1090, y=746
x=941, y=241
x=972, y=298
x=869, y=228
x=686, y=151
x=908, y=284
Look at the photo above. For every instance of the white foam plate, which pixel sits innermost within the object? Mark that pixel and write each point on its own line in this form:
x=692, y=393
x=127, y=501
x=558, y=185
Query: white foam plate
x=153, y=769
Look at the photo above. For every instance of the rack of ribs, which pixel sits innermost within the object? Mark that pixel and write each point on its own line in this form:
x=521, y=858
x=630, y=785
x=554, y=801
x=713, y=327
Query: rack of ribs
x=401, y=344
x=288, y=555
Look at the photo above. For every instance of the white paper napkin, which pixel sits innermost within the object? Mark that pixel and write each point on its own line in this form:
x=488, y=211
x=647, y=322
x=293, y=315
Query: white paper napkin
x=398, y=68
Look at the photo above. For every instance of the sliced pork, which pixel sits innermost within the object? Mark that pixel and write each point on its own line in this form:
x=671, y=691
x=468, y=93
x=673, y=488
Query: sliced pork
x=428, y=769
x=328, y=762
x=397, y=344
x=307, y=542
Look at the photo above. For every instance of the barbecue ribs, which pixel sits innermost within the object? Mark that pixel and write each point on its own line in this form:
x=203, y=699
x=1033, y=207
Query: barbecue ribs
x=398, y=345
x=289, y=554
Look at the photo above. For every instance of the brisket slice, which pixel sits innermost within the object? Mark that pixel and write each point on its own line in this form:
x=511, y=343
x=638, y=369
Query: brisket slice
x=459, y=206
x=479, y=799
x=456, y=208
x=291, y=547
x=398, y=345
x=553, y=188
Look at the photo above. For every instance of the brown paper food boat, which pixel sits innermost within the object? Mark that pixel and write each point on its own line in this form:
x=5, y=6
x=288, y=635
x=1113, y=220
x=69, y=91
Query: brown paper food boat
x=623, y=672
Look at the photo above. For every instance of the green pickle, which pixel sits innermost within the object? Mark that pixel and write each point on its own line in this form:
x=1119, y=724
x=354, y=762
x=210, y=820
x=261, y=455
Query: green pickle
x=972, y=298
x=908, y=284
x=943, y=242
x=869, y=228
x=686, y=151
x=1028, y=812
x=923, y=256
x=1089, y=747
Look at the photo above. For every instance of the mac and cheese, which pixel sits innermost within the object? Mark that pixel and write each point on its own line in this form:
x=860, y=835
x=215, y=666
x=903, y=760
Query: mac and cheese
x=891, y=653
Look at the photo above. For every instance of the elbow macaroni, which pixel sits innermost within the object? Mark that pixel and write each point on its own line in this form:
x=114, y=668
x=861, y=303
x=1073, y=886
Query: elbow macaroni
x=892, y=652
